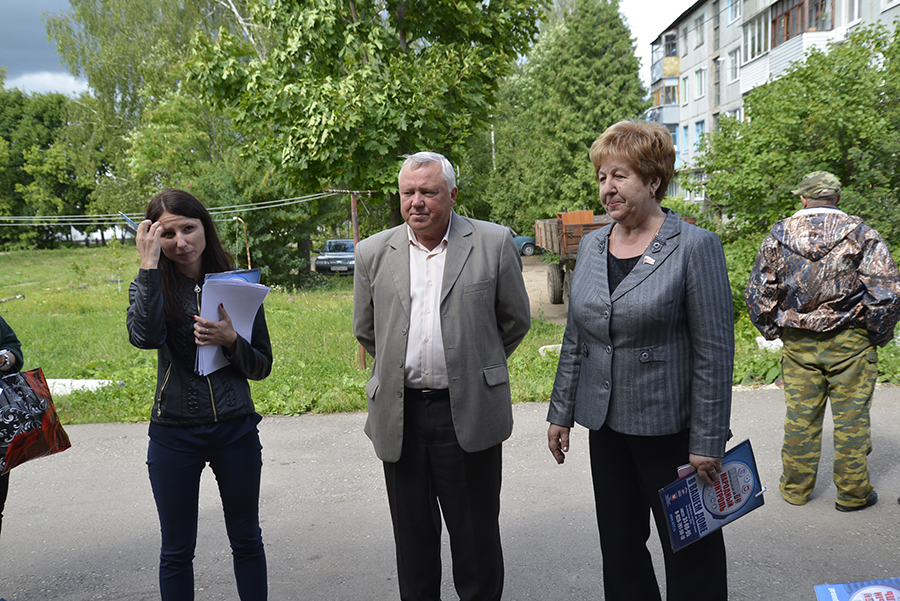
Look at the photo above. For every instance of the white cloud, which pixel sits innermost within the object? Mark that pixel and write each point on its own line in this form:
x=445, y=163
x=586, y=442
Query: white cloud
x=44, y=82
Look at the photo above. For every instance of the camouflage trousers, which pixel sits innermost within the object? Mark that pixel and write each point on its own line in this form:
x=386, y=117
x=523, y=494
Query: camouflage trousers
x=841, y=366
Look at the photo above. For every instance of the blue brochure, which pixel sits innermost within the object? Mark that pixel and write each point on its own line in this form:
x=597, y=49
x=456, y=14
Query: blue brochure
x=248, y=275
x=695, y=509
x=886, y=589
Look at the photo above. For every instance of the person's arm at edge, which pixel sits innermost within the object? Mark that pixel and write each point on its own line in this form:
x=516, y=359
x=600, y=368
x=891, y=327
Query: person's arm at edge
x=254, y=359
x=762, y=293
x=512, y=306
x=882, y=299
x=145, y=318
x=363, y=304
x=11, y=343
x=710, y=314
x=561, y=413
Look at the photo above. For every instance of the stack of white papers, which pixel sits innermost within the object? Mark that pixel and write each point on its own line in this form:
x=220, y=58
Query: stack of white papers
x=241, y=300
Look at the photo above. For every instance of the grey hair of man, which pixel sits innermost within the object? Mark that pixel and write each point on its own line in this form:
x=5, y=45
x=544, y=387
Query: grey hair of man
x=414, y=161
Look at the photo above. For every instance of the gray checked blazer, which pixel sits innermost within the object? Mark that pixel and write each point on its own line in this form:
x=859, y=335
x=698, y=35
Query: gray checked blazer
x=485, y=314
x=657, y=355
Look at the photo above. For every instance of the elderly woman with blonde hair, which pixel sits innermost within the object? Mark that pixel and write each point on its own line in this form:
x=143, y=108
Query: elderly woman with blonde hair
x=646, y=366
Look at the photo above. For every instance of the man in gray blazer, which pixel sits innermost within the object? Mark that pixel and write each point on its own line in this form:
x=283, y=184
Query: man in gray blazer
x=440, y=304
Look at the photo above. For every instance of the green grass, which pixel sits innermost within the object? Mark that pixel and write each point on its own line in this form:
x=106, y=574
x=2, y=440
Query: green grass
x=71, y=321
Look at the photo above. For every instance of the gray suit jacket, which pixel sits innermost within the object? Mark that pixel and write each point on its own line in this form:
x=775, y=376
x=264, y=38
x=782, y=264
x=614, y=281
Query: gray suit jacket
x=484, y=316
x=657, y=355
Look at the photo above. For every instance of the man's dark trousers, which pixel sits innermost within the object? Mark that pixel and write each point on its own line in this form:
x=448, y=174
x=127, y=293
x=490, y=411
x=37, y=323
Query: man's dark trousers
x=433, y=476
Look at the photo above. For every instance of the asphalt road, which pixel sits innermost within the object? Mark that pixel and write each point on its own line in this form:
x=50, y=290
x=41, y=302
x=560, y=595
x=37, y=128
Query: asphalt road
x=81, y=525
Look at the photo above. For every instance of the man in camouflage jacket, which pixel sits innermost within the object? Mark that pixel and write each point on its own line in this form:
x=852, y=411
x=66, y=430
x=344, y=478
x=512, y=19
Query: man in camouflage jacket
x=826, y=284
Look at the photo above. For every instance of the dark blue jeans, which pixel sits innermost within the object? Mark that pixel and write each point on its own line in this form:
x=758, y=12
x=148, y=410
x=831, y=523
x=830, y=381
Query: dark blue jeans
x=175, y=478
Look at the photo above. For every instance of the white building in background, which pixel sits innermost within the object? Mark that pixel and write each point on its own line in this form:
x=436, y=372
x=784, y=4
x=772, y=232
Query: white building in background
x=716, y=51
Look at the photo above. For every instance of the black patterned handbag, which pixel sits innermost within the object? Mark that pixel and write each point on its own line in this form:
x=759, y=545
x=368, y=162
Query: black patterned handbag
x=29, y=426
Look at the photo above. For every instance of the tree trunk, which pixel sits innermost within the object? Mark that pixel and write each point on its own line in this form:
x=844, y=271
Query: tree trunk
x=304, y=245
x=396, y=218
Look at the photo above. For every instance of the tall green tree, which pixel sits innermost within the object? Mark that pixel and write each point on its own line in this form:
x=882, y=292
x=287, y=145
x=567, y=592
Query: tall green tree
x=36, y=176
x=132, y=55
x=354, y=84
x=581, y=77
x=835, y=111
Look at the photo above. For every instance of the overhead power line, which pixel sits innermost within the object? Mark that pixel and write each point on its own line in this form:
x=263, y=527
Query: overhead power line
x=114, y=219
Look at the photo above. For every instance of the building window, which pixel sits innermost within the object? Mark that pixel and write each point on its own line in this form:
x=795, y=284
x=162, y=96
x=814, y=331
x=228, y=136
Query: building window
x=717, y=80
x=853, y=10
x=699, y=130
x=737, y=113
x=685, y=143
x=787, y=20
x=700, y=192
x=664, y=94
x=821, y=15
x=733, y=10
x=684, y=41
x=684, y=90
x=756, y=37
x=698, y=31
x=671, y=41
x=715, y=18
x=673, y=131
x=734, y=65
x=700, y=82
x=670, y=95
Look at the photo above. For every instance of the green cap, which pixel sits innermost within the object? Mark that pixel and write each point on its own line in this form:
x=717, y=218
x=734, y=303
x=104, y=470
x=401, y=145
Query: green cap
x=818, y=184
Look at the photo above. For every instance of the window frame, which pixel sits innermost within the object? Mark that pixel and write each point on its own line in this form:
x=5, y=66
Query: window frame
x=734, y=10
x=699, y=82
x=755, y=41
x=699, y=33
x=785, y=17
x=734, y=66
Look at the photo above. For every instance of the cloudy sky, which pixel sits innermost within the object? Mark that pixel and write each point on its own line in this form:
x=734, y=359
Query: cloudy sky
x=33, y=66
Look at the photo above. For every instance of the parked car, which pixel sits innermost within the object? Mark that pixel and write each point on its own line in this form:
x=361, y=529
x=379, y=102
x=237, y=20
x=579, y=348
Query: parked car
x=525, y=244
x=336, y=257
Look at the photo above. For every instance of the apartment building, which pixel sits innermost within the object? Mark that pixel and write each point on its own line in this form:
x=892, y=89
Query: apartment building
x=716, y=51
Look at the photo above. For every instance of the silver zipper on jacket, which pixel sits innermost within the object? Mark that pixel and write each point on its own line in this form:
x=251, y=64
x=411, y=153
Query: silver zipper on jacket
x=212, y=399
x=161, y=389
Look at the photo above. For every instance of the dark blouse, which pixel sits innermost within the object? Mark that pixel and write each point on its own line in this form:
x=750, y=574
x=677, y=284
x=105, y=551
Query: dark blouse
x=618, y=269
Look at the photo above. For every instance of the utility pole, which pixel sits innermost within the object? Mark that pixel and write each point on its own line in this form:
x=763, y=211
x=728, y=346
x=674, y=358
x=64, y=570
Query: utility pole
x=354, y=220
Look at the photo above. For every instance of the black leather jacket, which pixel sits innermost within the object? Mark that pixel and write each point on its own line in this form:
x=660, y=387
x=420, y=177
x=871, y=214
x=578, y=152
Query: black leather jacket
x=184, y=398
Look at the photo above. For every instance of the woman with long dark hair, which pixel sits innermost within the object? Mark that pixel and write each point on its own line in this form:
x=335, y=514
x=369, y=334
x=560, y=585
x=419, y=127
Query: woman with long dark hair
x=196, y=419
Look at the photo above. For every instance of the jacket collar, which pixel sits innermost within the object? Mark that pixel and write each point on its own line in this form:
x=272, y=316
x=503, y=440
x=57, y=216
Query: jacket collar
x=459, y=247
x=661, y=246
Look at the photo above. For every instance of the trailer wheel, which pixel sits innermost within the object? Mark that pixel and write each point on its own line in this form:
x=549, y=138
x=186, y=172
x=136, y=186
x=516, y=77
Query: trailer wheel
x=555, y=283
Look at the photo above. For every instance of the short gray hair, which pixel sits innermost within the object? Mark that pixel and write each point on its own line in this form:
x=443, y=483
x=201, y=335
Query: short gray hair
x=423, y=158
